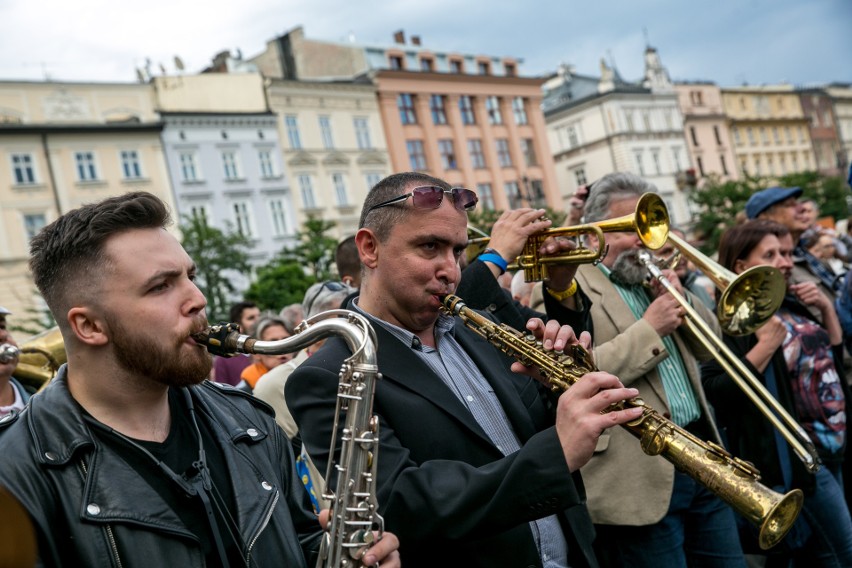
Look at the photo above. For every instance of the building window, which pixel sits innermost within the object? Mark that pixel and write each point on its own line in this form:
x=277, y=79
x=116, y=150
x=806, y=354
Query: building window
x=486, y=195
x=86, y=166
x=511, y=70
x=456, y=66
x=737, y=138
x=427, y=64
x=744, y=167
x=776, y=135
x=757, y=169
x=628, y=120
x=362, y=133
x=801, y=135
x=676, y=158
x=504, y=157
x=130, y=166
x=229, y=161
x=750, y=135
x=292, y=126
x=718, y=135
x=763, y=137
x=519, y=110
x=580, y=176
x=477, y=158
x=33, y=223
x=189, y=167
x=528, y=150
x=448, y=154
x=572, y=135
x=668, y=118
x=325, y=132
x=437, y=106
x=466, y=108
x=267, y=168
x=700, y=163
x=770, y=165
x=22, y=168
x=640, y=164
x=655, y=157
x=724, y=164
x=646, y=120
x=200, y=211
x=405, y=104
x=372, y=179
x=513, y=194
x=789, y=134
x=484, y=68
x=396, y=62
x=694, y=136
x=536, y=192
x=340, y=190
x=306, y=188
x=492, y=106
x=243, y=218
x=696, y=98
x=795, y=159
x=416, y=155
x=278, y=217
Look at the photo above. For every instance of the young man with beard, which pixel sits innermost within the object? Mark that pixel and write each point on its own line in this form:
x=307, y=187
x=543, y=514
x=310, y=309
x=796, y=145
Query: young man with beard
x=128, y=457
x=475, y=461
x=645, y=512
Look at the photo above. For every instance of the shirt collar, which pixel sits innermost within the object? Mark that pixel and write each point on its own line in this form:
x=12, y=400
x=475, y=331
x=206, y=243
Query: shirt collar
x=445, y=324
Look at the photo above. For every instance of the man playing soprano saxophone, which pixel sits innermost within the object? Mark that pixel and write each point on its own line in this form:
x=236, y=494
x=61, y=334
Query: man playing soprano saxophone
x=128, y=457
x=475, y=462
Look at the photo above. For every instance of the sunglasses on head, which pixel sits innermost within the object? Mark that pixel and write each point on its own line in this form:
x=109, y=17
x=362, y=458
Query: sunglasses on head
x=327, y=285
x=431, y=197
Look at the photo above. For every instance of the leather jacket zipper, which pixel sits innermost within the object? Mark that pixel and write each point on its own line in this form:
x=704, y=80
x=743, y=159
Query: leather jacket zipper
x=108, y=528
x=262, y=526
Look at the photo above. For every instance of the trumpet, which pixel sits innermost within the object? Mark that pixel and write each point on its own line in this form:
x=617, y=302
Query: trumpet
x=39, y=357
x=740, y=374
x=736, y=482
x=650, y=220
x=354, y=507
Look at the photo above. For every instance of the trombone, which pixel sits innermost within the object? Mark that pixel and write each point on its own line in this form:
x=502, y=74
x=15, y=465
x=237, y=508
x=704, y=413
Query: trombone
x=739, y=373
x=650, y=220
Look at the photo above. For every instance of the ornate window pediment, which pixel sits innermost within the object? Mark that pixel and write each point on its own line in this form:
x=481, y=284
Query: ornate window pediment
x=302, y=159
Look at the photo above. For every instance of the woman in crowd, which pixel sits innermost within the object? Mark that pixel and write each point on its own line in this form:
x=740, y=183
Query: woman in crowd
x=797, y=359
x=266, y=329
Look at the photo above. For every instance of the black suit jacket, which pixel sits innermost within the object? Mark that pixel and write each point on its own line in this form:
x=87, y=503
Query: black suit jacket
x=443, y=487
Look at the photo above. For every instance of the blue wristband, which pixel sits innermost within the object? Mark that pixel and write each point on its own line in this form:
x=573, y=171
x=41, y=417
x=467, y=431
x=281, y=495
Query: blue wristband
x=496, y=260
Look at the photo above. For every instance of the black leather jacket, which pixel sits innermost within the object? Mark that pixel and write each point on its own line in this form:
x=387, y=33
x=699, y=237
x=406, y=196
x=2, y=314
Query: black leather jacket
x=90, y=508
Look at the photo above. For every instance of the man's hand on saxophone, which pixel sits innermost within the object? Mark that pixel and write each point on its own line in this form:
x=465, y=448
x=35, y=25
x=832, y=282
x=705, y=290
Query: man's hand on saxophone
x=385, y=551
x=579, y=417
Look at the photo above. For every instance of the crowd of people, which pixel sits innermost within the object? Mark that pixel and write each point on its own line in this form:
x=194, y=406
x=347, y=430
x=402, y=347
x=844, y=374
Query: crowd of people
x=144, y=451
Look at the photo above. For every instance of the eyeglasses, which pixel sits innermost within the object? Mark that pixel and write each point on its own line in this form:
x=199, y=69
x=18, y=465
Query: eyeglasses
x=431, y=197
x=327, y=285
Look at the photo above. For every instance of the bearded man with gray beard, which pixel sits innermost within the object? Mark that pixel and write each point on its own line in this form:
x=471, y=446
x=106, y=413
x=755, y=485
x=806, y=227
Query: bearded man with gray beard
x=645, y=512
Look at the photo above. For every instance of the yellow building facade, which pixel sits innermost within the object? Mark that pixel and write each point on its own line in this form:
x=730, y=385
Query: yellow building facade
x=63, y=145
x=769, y=130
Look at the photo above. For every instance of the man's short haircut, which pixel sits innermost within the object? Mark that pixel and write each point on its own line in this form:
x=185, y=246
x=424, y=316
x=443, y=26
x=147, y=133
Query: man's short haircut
x=611, y=188
x=382, y=220
x=346, y=258
x=235, y=314
x=67, y=256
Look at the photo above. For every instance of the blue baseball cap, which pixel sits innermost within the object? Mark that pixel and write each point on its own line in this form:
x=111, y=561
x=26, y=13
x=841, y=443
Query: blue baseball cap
x=766, y=198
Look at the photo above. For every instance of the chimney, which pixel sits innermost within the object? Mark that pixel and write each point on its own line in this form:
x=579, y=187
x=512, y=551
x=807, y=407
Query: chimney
x=399, y=37
x=415, y=40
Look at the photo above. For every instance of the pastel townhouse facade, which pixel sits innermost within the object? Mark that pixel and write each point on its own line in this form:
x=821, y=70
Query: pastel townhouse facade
x=822, y=123
x=63, y=145
x=469, y=119
x=333, y=147
x=770, y=130
x=600, y=125
x=705, y=127
x=225, y=159
x=841, y=98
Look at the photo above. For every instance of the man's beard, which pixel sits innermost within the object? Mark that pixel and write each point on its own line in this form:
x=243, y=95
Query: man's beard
x=143, y=356
x=628, y=270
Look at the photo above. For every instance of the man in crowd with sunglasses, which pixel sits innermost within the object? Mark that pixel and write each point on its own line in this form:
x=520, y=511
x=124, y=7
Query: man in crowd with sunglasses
x=475, y=461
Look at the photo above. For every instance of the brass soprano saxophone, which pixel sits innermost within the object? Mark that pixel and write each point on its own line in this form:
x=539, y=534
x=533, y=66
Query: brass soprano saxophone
x=735, y=481
x=354, y=508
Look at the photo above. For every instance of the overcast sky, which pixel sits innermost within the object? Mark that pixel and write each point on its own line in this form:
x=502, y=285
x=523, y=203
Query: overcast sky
x=730, y=42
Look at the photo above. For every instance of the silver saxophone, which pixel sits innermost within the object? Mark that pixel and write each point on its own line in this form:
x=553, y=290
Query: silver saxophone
x=354, y=508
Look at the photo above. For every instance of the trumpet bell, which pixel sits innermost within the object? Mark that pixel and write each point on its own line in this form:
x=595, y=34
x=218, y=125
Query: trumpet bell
x=41, y=357
x=751, y=299
x=651, y=220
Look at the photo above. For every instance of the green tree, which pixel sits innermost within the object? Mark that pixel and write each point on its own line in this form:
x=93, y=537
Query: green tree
x=36, y=318
x=219, y=256
x=287, y=277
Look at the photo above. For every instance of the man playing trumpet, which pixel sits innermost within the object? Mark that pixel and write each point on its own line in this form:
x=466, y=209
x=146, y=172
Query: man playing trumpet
x=647, y=513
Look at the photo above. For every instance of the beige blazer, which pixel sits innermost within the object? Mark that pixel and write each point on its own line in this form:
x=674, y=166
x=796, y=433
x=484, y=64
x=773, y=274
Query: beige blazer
x=625, y=486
